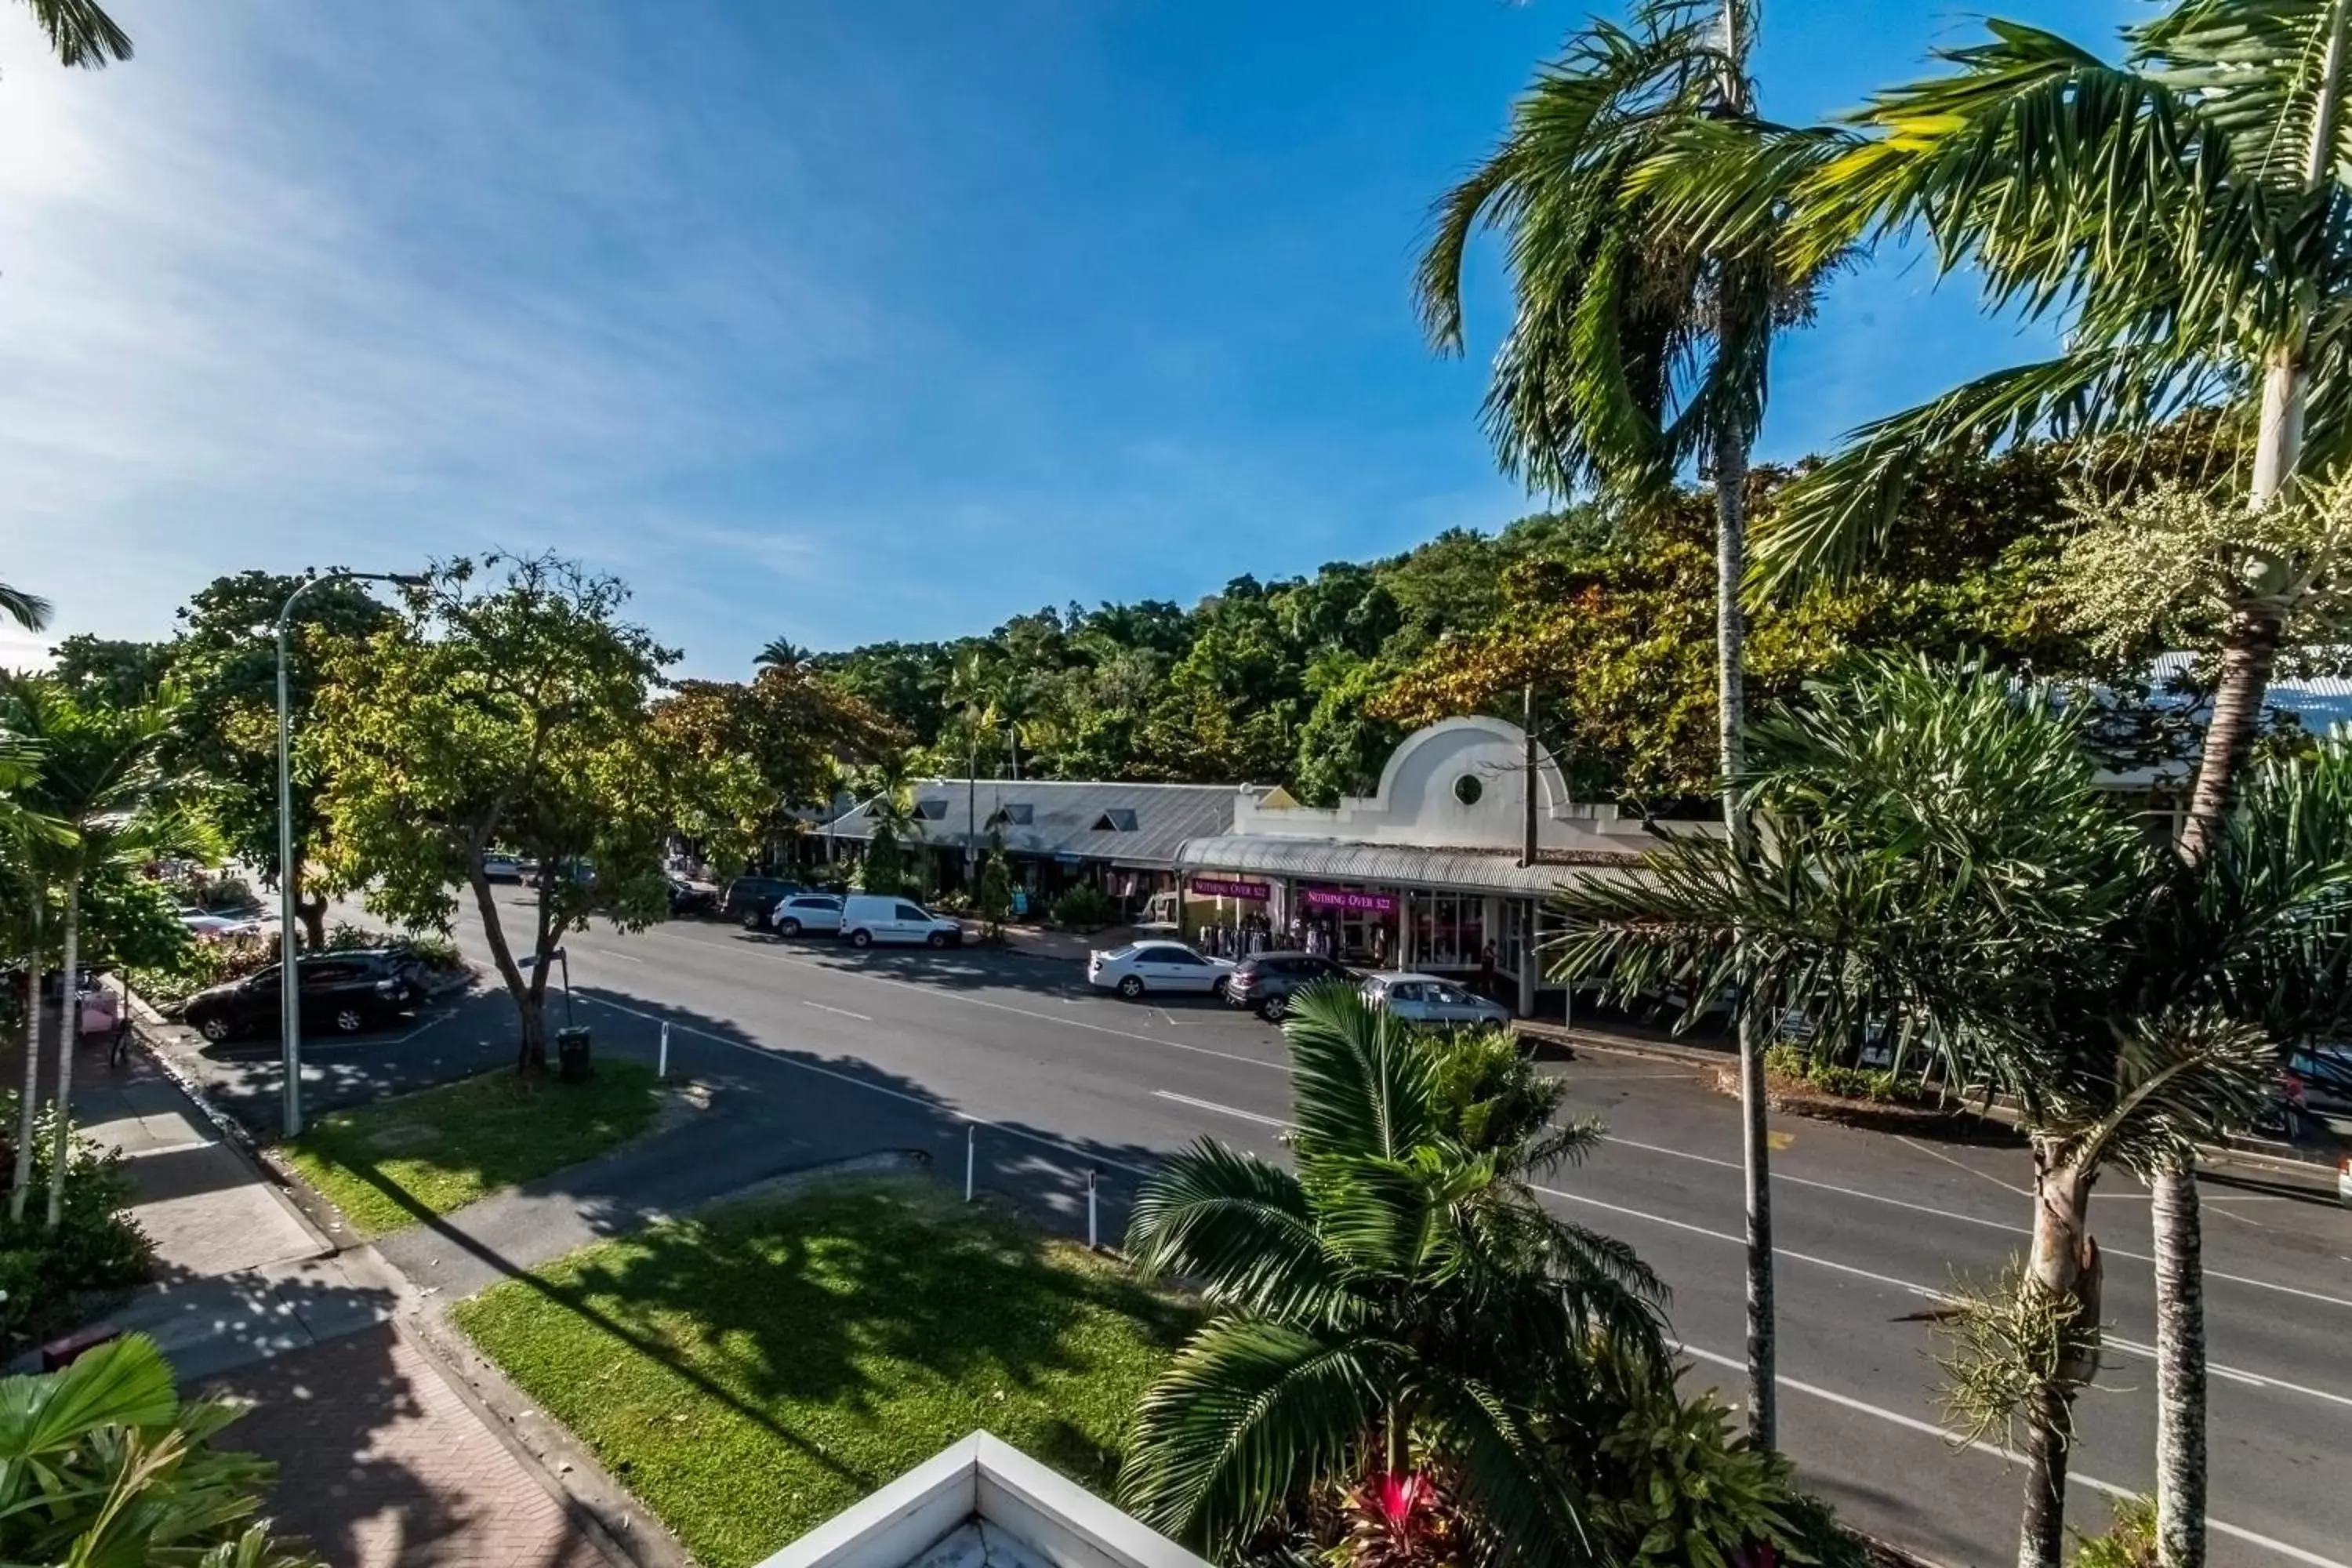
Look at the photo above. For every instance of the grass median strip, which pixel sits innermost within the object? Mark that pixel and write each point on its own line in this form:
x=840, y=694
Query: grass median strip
x=751, y=1372
x=387, y=1165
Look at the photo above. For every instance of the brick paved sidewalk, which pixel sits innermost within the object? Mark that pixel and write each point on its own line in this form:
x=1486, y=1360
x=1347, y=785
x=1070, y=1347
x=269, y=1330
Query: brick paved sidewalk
x=382, y=1465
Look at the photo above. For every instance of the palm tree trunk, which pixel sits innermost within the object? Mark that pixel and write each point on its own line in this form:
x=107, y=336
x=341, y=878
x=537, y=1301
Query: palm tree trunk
x=1730, y=463
x=2179, y=1371
x=21, y=1191
x=2064, y=1263
x=68, y=1032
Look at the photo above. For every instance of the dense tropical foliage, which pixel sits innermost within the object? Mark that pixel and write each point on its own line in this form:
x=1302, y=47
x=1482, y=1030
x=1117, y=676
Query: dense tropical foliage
x=1411, y=1360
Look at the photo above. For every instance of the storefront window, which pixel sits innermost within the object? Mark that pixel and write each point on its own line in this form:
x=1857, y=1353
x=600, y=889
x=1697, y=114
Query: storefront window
x=1449, y=930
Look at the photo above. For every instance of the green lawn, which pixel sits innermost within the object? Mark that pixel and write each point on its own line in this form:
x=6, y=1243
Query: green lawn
x=387, y=1163
x=750, y=1373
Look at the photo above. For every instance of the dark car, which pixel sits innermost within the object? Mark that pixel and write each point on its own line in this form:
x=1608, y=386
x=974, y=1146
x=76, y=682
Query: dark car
x=343, y=992
x=750, y=899
x=1266, y=981
x=691, y=898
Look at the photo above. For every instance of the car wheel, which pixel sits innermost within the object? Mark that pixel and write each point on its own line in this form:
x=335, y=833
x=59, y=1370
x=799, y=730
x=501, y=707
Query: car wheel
x=1131, y=987
x=937, y=939
x=789, y=928
x=752, y=920
x=217, y=1028
x=861, y=938
x=350, y=1020
x=1272, y=1009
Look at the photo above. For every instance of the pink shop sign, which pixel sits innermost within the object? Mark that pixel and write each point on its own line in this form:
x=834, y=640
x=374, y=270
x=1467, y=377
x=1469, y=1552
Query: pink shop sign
x=1352, y=902
x=1226, y=888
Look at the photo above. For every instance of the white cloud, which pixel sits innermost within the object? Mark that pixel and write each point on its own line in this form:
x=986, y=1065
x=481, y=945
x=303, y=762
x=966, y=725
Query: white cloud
x=299, y=286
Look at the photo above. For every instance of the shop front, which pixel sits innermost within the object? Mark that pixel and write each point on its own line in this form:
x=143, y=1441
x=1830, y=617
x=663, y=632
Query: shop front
x=1443, y=870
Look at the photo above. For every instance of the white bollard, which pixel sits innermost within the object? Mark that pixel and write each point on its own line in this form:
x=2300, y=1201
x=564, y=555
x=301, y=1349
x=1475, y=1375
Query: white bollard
x=662, y=1071
x=1094, y=1236
x=970, y=1136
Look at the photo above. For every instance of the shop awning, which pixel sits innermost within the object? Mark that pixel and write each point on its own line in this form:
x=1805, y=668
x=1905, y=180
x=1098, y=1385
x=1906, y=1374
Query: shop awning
x=1389, y=865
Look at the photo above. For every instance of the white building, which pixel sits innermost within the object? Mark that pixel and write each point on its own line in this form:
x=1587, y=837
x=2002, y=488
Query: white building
x=1469, y=829
x=982, y=1503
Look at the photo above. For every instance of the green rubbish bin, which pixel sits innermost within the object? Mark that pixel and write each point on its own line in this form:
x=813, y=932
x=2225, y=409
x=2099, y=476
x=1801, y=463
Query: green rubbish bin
x=571, y=1065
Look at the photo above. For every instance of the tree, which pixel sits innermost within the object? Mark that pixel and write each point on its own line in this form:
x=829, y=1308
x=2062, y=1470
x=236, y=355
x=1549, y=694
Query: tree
x=890, y=819
x=80, y=34
x=509, y=705
x=113, y=1467
x=1638, y=344
x=1387, y=1311
x=2182, y=214
x=1937, y=852
x=104, y=788
x=224, y=662
x=111, y=669
x=993, y=903
x=782, y=654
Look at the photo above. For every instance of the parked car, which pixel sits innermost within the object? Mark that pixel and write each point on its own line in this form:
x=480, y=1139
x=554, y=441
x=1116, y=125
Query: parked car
x=1426, y=999
x=750, y=899
x=807, y=914
x=1265, y=982
x=2326, y=1074
x=691, y=898
x=869, y=918
x=205, y=926
x=501, y=868
x=1142, y=966
x=345, y=992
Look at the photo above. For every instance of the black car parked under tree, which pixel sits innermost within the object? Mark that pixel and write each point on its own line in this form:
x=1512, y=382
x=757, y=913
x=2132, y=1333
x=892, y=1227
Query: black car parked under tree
x=344, y=992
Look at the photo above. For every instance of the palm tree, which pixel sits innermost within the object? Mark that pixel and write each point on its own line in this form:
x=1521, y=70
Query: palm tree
x=25, y=837
x=1635, y=351
x=2182, y=214
x=102, y=781
x=1393, y=1306
x=80, y=34
x=782, y=653
x=1936, y=850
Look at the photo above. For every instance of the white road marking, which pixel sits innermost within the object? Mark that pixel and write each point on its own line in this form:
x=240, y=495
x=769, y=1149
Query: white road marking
x=783, y=1060
x=1963, y=1165
x=1912, y=1422
x=164, y=1148
x=614, y=952
x=838, y=1012
x=1220, y=1109
x=2252, y=1379
x=2210, y=1273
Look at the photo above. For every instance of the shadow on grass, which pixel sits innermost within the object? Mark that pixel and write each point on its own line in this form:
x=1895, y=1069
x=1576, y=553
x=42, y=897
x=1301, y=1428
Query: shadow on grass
x=786, y=1319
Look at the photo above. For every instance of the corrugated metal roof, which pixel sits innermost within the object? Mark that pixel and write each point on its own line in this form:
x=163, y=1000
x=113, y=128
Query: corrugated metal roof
x=2320, y=702
x=1386, y=865
x=1147, y=822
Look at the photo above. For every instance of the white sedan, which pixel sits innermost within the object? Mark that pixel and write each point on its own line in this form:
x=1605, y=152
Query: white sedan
x=1146, y=966
x=1426, y=999
x=813, y=914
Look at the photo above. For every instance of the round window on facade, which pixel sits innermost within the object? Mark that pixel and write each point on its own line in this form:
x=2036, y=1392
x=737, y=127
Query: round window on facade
x=1467, y=789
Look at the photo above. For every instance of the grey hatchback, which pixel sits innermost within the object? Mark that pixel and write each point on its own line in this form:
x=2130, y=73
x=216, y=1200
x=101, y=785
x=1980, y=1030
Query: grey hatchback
x=1265, y=982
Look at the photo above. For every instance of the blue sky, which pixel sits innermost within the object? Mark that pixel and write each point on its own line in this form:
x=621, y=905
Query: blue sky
x=843, y=321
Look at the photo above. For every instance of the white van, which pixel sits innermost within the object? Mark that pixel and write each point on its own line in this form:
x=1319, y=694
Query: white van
x=869, y=918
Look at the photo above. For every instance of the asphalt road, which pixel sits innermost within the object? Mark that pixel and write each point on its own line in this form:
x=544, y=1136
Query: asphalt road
x=817, y=1052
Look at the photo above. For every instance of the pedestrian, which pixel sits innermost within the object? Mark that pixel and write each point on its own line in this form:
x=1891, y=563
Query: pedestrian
x=1486, y=972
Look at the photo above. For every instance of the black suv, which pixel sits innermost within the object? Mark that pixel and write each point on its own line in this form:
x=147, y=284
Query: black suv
x=345, y=992
x=1266, y=981
x=750, y=899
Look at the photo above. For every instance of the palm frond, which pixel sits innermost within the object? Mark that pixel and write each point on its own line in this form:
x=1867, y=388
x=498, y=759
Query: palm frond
x=1361, y=1090
x=1529, y=1507
x=1239, y=1227
x=29, y=611
x=1840, y=515
x=80, y=34
x=1247, y=1417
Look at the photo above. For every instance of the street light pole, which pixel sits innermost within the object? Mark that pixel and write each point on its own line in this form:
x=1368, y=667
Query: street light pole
x=289, y=979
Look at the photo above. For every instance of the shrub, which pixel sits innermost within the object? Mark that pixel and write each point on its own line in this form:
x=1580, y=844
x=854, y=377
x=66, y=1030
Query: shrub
x=113, y=1467
x=96, y=1247
x=1082, y=908
x=208, y=963
x=2128, y=1542
x=1792, y=1061
x=429, y=948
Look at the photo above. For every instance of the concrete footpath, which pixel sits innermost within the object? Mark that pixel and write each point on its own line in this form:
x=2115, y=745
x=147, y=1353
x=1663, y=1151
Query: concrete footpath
x=385, y=1460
